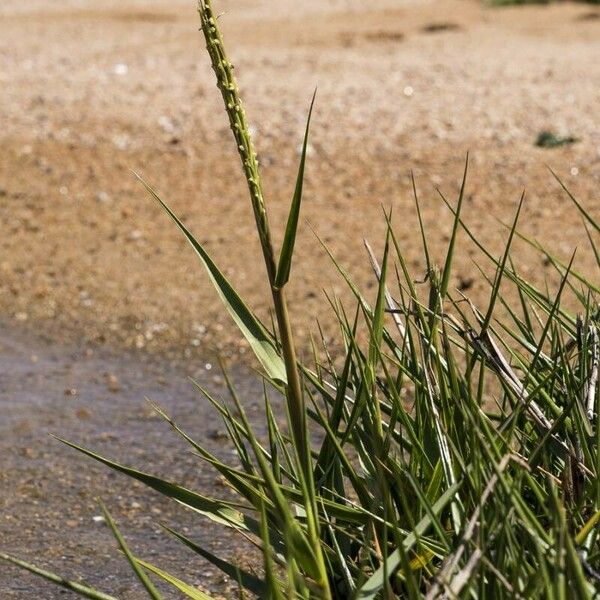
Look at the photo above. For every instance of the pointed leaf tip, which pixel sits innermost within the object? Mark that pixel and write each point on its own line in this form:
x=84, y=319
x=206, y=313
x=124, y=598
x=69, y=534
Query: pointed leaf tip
x=287, y=249
x=259, y=339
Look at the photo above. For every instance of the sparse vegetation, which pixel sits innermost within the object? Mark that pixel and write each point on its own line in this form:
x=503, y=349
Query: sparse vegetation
x=547, y=139
x=522, y=2
x=448, y=452
x=517, y=2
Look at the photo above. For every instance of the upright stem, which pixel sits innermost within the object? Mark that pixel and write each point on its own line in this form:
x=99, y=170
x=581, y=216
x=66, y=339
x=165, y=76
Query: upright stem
x=237, y=119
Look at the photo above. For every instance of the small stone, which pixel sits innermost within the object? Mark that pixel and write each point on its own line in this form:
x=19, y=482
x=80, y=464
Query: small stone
x=121, y=141
x=218, y=434
x=112, y=383
x=200, y=329
x=70, y=392
x=166, y=123
x=28, y=452
x=120, y=69
x=83, y=413
x=102, y=197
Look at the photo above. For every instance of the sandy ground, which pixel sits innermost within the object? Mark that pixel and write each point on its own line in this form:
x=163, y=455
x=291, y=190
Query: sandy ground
x=48, y=509
x=91, y=91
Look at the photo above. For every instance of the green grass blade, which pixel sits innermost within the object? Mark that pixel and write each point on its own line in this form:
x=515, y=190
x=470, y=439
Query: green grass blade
x=287, y=249
x=501, y=269
x=450, y=253
x=184, y=588
x=584, y=213
x=78, y=588
x=275, y=591
x=216, y=510
x=376, y=582
x=593, y=245
x=259, y=339
x=421, y=223
x=141, y=575
x=248, y=581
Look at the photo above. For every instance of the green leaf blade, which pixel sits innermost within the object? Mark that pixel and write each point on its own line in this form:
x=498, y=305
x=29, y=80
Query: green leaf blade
x=259, y=339
x=139, y=572
x=80, y=589
x=287, y=249
x=184, y=588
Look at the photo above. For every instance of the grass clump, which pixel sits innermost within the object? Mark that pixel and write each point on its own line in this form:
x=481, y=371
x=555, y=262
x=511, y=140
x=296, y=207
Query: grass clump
x=548, y=139
x=445, y=453
x=524, y=2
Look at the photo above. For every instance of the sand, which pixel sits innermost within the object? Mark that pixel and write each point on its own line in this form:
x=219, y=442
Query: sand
x=90, y=94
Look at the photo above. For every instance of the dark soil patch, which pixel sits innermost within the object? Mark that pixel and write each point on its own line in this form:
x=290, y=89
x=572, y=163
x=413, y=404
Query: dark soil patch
x=48, y=498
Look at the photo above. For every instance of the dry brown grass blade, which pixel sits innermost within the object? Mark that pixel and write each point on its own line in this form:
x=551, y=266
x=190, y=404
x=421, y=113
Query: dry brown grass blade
x=593, y=380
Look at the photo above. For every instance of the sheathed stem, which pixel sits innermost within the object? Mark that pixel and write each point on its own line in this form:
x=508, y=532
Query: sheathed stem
x=237, y=119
